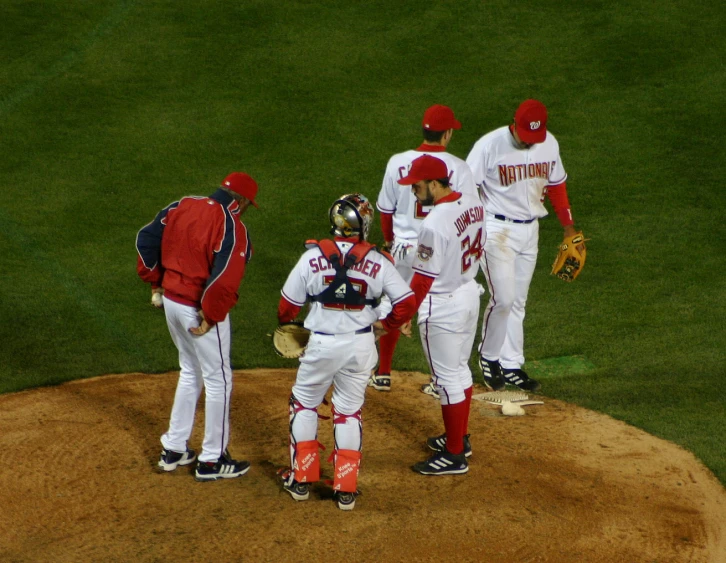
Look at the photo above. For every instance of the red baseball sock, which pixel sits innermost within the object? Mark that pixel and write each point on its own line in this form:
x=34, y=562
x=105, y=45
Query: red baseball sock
x=454, y=423
x=467, y=394
x=386, y=347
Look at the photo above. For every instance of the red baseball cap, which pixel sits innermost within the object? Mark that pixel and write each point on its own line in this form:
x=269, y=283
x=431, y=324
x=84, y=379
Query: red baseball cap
x=425, y=167
x=242, y=184
x=531, y=121
x=440, y=118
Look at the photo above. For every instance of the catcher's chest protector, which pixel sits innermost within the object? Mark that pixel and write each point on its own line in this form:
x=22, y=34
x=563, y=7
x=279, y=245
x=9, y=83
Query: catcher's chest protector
x=341, y=291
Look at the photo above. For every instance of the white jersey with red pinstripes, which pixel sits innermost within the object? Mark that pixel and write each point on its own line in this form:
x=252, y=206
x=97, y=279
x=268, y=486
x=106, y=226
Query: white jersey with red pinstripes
x=394, y=198
x=513, y=180
x=450, y=242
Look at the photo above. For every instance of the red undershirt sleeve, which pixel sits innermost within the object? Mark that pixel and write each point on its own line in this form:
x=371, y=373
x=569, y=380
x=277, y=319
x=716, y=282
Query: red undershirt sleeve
x=420, y=286
x=558, y=198
x=387, y=226
x=402, y=312
x=286, y=311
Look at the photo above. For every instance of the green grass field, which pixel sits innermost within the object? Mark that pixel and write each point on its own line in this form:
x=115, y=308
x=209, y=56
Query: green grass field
x=110, y=110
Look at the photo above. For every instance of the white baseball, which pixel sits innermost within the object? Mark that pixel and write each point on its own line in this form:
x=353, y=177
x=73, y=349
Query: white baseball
x=511, y=409
x=156, y=300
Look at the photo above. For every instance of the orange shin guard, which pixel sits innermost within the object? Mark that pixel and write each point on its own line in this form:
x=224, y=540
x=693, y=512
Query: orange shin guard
x=347, y=464
x=307, y=462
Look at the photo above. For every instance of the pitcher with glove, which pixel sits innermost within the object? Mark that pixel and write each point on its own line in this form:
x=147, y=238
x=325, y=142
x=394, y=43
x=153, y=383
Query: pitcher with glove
x=517, y=168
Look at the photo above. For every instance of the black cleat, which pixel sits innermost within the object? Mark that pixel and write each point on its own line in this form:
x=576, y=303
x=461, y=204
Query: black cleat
x=519, y=378
x=298, y=491
x=430, y=389
x=345, y=500
x=224, y=468
x=380, y=382
x=170, y=460
x=438, y=444
x=492, y=372
x=443, y=463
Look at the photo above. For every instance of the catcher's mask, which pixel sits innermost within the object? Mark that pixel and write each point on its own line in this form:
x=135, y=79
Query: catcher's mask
x=351, y=215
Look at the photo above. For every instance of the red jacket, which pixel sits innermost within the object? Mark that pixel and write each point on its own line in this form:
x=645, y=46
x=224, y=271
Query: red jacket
x=197, y=250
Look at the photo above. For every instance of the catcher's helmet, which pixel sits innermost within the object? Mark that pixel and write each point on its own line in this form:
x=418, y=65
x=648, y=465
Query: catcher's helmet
x=351, y=215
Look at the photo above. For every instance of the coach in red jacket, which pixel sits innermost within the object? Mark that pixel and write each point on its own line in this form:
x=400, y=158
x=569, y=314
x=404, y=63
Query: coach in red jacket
x=195, y=252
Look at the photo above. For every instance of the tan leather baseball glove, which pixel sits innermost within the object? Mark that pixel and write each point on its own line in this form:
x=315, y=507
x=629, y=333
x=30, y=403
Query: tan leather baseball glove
x=570, y=261
x=290, y=339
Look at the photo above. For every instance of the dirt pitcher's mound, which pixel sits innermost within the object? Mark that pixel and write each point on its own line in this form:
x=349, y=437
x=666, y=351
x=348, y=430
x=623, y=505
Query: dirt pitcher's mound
x=561, y=484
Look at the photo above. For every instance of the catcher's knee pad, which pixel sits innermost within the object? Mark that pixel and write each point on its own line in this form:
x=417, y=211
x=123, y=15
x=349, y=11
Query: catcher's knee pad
x=303, y=420
x=295, y=406
x=347, y=465
x=340, y=418
x=306, y=462
x=347, y=430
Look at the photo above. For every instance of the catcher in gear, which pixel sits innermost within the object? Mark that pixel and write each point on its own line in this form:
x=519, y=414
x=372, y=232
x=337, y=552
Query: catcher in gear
x=342, y=280
x=570, y=257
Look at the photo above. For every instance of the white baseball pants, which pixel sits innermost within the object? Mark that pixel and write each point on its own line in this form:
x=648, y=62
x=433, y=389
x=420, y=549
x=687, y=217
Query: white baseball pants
x=204, y=362
x=344, y=361
x=447, y=326
x=510, y=256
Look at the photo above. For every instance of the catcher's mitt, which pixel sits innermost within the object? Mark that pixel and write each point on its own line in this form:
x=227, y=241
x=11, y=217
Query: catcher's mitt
x=570, y=260
x=290, y=339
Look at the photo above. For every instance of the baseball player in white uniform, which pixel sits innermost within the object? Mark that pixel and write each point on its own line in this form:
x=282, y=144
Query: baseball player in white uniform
x=341, y=351
x=515, y=167
x=402, y=214
x=450, y=243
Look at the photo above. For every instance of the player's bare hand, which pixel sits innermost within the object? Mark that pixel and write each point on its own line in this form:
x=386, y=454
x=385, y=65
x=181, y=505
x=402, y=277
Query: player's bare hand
x=204, y=327
x=156, y=297
x=406, y=329
x=378, y=329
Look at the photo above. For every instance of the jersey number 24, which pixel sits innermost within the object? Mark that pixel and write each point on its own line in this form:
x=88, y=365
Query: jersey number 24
x=470, y=249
